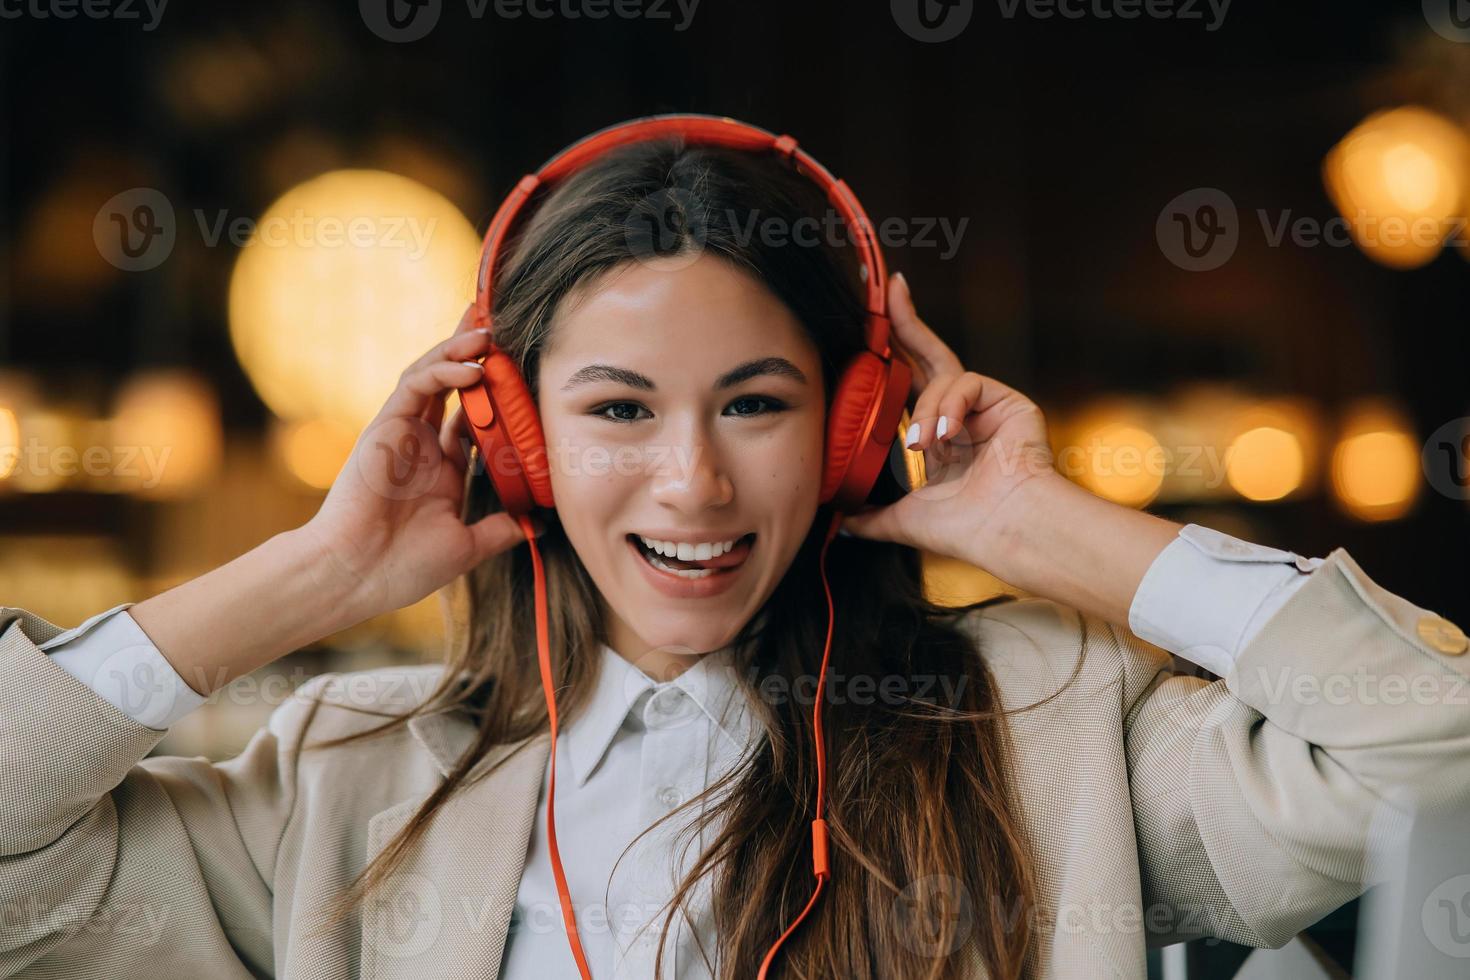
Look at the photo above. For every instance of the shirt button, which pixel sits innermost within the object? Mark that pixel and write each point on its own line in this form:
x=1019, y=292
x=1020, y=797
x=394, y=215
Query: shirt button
x=1443, y=635
x=670, y=797
x=666, y=707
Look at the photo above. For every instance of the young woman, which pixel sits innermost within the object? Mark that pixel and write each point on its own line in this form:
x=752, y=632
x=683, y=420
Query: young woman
x=1016, y=788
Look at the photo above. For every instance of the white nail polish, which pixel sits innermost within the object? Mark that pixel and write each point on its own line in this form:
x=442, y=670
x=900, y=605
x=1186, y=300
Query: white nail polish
x=473, y=364
x=912, y=436
x=943, y=427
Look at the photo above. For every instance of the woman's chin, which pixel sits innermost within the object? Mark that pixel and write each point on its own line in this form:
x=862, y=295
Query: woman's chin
x=696, y=636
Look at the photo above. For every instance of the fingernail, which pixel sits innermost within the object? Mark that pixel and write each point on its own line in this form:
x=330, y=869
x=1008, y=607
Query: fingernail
x=843, y=532
x=473, y=364
x=912, y=437
x=903, y=280
x=483, y=330
x=943, y=427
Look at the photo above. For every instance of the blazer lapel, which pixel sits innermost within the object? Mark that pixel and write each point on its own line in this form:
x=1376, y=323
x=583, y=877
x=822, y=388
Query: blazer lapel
x=446, y=911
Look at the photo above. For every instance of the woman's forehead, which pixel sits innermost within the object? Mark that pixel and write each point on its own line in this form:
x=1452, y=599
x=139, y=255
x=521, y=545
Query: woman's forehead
x=703, y=313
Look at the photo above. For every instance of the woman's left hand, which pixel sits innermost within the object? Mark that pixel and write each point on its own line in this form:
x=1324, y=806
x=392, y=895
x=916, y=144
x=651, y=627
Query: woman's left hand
x=982, y=441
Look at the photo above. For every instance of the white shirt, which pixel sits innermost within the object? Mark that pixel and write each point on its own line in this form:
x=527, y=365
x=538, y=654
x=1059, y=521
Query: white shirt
x=641, y=748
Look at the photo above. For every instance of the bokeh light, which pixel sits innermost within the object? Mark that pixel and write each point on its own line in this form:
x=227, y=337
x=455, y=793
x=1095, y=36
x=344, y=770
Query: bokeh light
x=166, y=434
x=347, y=279
x=1399, y=180
x=1375, y=466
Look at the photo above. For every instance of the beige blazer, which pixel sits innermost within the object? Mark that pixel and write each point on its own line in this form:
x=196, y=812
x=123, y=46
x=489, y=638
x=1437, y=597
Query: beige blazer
x=1159, y=806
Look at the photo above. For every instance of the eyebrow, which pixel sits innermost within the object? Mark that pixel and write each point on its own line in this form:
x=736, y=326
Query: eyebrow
x=761, y=366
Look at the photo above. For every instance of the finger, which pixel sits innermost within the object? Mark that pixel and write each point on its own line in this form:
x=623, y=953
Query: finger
x=433, y=413
x=876, y=524
x=460, y=347
x=453, y=436
x=995, y=403
x=931, y=355
x=496, y=533
x=926, y=413
x=960, y=397
x=418, y=387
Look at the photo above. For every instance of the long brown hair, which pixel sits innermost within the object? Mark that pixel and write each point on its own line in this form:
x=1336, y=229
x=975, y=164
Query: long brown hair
x=925, y=840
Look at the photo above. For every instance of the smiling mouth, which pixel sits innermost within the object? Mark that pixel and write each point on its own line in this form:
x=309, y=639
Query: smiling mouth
x=723, y=565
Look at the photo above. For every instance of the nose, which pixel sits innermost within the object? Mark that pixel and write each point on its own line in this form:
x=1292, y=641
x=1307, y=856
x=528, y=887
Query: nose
x=692, y=477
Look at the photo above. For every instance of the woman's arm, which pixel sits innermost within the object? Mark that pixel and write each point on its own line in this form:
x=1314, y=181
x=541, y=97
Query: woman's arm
x=277, y=597
x=1060, y=541
x=90, y=828
x=380, y=541
x=280, y=596
x=1256, y=798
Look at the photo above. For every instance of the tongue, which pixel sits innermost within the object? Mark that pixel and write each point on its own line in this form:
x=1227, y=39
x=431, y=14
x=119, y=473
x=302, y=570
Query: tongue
x=729, y=559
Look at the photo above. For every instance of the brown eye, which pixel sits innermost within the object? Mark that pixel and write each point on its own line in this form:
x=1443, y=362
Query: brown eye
x=772, y=405
x=616, y=407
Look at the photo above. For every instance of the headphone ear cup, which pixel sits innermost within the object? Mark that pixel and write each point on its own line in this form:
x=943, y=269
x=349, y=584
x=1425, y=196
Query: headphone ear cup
x=852, y=407
x=516, y=413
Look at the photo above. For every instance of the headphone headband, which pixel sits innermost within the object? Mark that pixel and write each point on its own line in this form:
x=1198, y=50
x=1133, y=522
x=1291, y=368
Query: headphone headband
x=703, y=130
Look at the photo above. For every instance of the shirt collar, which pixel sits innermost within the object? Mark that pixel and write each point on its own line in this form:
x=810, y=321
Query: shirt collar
x=711, y=683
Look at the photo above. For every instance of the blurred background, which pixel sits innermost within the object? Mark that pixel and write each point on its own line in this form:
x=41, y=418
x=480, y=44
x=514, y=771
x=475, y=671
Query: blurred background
x=1221, y=245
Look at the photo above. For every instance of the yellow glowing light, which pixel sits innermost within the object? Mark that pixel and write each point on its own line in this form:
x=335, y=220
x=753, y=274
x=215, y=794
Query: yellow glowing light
x=348, y=278
x=1265, y=463
x=1399, y=181
x=313, y=451
x=49, y=457
x=64, y=577
x=166, y=433
x=951, y=582
x=1122, y=462
x=1376, y=465
x=9, y=442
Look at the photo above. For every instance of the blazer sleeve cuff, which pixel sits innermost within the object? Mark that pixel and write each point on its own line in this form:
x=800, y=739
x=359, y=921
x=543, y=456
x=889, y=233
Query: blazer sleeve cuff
x=112, y=655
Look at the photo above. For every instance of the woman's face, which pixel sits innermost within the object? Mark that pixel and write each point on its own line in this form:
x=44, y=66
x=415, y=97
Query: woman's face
x=681, y=402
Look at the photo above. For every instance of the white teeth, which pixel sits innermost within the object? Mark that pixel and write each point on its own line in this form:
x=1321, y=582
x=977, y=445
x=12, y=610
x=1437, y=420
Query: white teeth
x=688, y=551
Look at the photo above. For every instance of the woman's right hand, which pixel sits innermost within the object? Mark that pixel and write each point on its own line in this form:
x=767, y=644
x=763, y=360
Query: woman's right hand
x=391, y=521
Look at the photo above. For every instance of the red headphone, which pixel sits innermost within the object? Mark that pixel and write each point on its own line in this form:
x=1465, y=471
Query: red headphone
x=862, y=423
